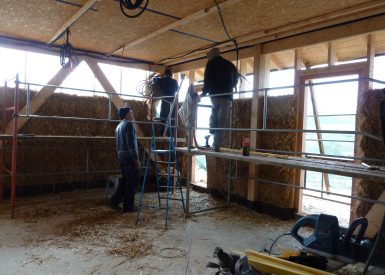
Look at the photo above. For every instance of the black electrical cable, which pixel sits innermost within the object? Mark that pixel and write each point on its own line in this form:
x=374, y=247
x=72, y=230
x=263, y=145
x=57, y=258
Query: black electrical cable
x=133, y=5
x=227, y=33
x=271, y=247
x=68, y=57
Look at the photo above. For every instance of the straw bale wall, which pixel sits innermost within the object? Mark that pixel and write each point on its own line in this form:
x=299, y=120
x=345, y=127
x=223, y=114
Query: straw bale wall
x=368, y=115
x=60, y=155
x=280, y=115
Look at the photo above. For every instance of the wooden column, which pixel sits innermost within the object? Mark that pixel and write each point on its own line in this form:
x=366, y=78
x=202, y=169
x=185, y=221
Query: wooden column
x=299, y=93
x=332, y=57
x=107, y=86
x=261, y=74
x=191, y=79
x=370, y=54
x=243, y=72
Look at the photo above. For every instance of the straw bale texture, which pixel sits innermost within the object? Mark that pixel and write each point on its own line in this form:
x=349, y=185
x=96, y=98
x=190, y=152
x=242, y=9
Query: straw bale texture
x=58, y=155
x=280, y=115
x=370, y=121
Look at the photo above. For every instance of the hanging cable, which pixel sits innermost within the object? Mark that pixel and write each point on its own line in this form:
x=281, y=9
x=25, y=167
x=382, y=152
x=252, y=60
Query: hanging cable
x=133, y=5
x=68, y=57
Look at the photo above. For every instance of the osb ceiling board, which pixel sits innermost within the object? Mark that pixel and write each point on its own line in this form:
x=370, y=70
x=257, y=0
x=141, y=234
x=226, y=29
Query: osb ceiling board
x=251, y=16
x=33, y=19
x=168, y=44
x=107, y=29
x=315, y=55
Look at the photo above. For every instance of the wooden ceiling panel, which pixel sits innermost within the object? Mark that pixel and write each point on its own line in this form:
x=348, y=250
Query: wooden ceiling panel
x=163, y=46
x=33, y=19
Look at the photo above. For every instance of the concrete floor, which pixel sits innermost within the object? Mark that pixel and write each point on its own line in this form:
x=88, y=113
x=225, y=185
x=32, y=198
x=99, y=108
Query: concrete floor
x=75, y=233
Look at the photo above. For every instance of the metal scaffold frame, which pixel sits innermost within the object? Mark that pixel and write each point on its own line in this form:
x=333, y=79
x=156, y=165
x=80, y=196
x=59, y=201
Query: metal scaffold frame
x=189, y=150
x=270, y=160
x=15, y=136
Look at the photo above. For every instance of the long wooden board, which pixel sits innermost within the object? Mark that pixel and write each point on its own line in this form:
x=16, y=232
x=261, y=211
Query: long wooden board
x=325, y=166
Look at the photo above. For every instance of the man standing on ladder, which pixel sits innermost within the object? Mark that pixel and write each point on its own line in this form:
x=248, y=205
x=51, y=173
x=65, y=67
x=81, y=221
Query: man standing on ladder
x=127, y=149
x=168, y=87
x=220, y=78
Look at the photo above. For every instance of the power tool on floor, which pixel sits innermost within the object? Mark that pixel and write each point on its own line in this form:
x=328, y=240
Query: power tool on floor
x=231, y=264
x=328, y=241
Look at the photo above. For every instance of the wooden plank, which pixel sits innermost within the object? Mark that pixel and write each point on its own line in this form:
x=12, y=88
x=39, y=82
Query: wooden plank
x=370, y=54
x=243, y=72
x=39, y=98
x=332, y=57
x=192, y=17
x=73, y=19
x=274, y=265
x=261, y=74
x=299, y=93
x=375, y=216
x=324, y=166
x=319, y=135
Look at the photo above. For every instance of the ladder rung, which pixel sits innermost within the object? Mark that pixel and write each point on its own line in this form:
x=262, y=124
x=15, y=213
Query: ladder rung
x=173, y=199
x=162, y=151
x=166, y=175
x=164, y=162
x=10, y=108
x=170, y=187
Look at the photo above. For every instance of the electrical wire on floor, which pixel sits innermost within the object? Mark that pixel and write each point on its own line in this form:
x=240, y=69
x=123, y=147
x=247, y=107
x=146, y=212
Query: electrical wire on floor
x=133, y=5
x=181, y=253
x=271, y=247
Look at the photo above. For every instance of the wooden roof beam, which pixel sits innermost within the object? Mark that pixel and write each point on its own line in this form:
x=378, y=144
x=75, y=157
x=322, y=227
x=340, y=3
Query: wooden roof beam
x=39, y=98
x=296, y=28
x=275, y=62
x=185, y=20
x=73, y=19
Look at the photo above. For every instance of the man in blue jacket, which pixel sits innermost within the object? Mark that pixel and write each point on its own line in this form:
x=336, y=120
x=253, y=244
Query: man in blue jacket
x=127, y=149
x=168, y=87
x=220, y=77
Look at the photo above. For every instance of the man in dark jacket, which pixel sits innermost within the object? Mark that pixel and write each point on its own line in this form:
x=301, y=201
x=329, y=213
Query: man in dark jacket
x=168, y=87
x=127, y=149
x=220, y=78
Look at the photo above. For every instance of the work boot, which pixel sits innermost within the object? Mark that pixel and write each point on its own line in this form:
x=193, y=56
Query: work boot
x=115, y=206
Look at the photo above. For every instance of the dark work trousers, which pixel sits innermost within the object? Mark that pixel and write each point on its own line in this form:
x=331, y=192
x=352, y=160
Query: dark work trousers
x=127, y=184
x=220, y=118
x=164, y=113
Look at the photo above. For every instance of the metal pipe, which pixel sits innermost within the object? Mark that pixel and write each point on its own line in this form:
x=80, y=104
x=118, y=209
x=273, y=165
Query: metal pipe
x=3, y=141
x=209, y=209
x=314, y=190
x=326, y=199
x=28, y=100
x=109, y=106
x=264, y=109
x=64, y=173
x=14, y=146
x=317, y=154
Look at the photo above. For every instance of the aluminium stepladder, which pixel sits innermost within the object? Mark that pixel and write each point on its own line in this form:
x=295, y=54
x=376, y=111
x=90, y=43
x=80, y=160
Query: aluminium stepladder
x=173, y=180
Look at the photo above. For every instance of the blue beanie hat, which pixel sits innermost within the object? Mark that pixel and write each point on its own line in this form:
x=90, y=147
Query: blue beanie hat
x=123, y=112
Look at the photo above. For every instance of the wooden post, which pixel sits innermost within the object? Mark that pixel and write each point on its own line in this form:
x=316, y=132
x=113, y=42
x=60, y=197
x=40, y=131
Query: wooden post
x=191, y=79
x=261, y=74
x=332, y=57
x=299, y=93
x=243, y=72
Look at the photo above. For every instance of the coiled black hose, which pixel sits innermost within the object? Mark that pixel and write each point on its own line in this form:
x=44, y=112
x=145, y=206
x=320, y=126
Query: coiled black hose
x=67, y=53
x=132, y=5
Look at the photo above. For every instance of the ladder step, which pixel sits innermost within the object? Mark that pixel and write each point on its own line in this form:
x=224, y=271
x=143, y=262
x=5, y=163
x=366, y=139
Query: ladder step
x=164, y=162
x=173, y=199
x=166, y=175
x=10, y=108
x=162, y=151
x=170, y=187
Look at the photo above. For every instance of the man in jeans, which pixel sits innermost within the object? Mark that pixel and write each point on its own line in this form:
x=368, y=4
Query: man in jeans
x=220, y=77
x=127, y=149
